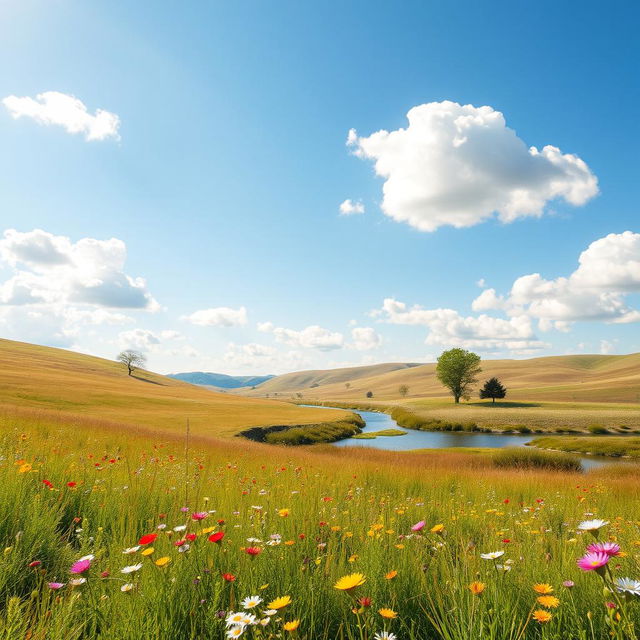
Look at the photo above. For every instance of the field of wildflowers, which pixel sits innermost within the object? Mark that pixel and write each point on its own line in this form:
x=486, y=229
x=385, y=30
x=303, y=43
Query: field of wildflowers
x=115, y=537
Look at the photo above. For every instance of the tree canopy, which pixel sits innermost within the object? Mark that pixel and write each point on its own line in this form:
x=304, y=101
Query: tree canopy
x=493, y=389
x=458, y=369
x=132, y=360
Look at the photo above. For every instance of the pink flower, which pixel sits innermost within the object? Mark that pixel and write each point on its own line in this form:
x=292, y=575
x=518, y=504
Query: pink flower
x=80, y=567
x=610, y=548
x=199, y=515
x=593, y=561
x=56, y=585
x=569, y=584
x=418, y=526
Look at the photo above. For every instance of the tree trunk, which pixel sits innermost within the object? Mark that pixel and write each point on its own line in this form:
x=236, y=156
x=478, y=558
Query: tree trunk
x=457, y=399
x=494, y=400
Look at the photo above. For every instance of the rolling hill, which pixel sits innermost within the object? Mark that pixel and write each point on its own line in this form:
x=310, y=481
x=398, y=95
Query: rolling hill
x=50, y=384
x=219, y=380
x=575, y=378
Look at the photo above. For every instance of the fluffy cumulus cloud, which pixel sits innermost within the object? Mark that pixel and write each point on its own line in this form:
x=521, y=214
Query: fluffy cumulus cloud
x=139, y=339
x=459, y=165
x=55, y=108
x=365, y=338
x=608, y=272
x=50, y=269
x=259, y=358
x=448, y=328
x=312, y=337
x=218, y=317
x=349, y=208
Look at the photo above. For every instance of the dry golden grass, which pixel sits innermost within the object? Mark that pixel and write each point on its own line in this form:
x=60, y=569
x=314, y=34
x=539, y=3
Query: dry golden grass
x=54, y=384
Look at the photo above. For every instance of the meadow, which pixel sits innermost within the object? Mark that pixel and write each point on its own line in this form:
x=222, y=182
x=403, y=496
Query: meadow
x=109, y=534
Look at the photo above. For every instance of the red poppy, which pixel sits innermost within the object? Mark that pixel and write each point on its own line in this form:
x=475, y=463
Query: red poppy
x=46, y=483
x=506, y=540
x=253, y=551
x=35, y=563
x=364, y=602
x=105, y=574
x=148, y=538
x=179, y=543
x=72, y=484
x=191, y=537
x=228, y=577
x=216, y=537
x=220, y=522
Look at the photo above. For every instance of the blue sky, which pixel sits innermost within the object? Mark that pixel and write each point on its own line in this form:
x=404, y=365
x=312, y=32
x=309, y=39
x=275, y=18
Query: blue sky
x=221, y=164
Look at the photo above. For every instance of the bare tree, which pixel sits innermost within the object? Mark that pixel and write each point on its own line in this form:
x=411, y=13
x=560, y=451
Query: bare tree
x=132, y=359
x=403, y=389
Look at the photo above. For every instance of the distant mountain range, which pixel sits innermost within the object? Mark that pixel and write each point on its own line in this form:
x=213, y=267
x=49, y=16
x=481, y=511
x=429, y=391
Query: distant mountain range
x=220, y=380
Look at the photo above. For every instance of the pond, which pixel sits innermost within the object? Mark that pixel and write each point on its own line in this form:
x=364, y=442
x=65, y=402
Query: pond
x=376, y=421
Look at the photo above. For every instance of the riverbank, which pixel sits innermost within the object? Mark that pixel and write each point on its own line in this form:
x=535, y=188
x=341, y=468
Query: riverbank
x=609, y=446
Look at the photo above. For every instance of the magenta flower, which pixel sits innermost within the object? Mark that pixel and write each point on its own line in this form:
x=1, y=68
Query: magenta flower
x=81, y=566
x=418, y=525
x=569, y=584
x=199, y=515
x=593, y=561
x=56, y=585
x=610, y=548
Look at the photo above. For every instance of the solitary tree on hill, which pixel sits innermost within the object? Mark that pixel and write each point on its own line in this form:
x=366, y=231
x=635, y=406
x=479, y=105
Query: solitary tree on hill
x=132, y=360
x=457, y=369
x=403, y=389
x=493, y=389
x=369, y=394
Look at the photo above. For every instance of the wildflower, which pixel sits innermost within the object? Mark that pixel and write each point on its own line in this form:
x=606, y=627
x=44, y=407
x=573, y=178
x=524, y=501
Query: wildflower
x=47, y=484
x=191, y=537
x=35, y=563
x=253, y=551
x=493, y=555
x=131, y=568
x=346, y=583
x=148, y=538
x=76, y=582
x=235, y=632
x=593, y=561
x=148, y=551
x=389, y=614
x=163, y=562
x=184, y=547
x=80, y=566
x=292, y=625
x=418, y=526
x=279, y=603
x=72, y=485
x=569, y=584
x=55, y=585
x=131, y=550
x=228, y=577
x=234, y=619
x=270, y=612
x=25, y=468
x=610, y=548
x=105, y=574
x=391, y=575
x=543, y=588
x=385, y=635
x=364, y=601
x=199, y=515
x=438, y=528
x=627, y=585
x=477, y=588
x=216, y=537
x=283, y=513
x=592, y=525
x=127, y=587
x=551, y=602
x=541, y=616
x=251, y=602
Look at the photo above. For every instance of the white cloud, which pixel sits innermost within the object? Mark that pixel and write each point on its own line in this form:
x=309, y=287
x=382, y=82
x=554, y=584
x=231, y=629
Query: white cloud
x=313, y=337
x=365, y=338
x=608, y=271
x=606, y=347
x=447, y=327
x=49, y=269
x=266, y=327
x=349, y=207
x=55, y=108
x=218, y=317
x=139, y=339
x=459, y=165
x=259, y=358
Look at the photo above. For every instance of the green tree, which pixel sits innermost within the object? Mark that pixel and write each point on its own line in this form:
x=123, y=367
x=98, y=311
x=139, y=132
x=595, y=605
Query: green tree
x=493, y=389
x=457, y=369
x=132, y=360
x=403, y=389
x=369, y=394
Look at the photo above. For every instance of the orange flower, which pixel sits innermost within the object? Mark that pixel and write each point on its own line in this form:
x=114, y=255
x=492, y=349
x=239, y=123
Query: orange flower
x=551, y=602
x=391, y=575
x=543, y=588
x=541, y=616
x=390, y=614
x=292, y=625
x=477, y=588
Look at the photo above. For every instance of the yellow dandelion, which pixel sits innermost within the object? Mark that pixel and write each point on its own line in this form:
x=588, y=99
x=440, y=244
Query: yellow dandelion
x=346, y=583
x=279, y=603
x=283, y=513
x=147, y=552
x=292, y=625
x=163, y=562
x=541, y=616
x=438, y=528
x=477, y=588
x=543, y=588
x=390, y=614
x=391, y=575
x=24, y=468
x=551, y=602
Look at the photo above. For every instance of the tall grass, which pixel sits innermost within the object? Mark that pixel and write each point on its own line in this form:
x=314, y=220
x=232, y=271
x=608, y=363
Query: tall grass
x=523, y=458
x=316, y=514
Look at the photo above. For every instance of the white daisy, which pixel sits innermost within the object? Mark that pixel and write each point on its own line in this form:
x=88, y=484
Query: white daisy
x=127, y=587
x=180, y=527
x=385, y=635
x=235, y=631
x=628, y=585
x=131, y=568
x=130, y=550
x=493, y=555
x=234, y=618
x=592, y=525
x=250, y=602
x=76, y=582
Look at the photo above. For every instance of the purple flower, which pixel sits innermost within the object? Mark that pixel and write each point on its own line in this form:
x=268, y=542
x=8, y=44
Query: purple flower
x=593, y=561
x=610, y=548
x=81, y=566
x=569, y=584
x=56, y=585
x=418, y=526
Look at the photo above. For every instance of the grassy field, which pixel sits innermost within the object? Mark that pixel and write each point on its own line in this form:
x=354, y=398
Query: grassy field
x=175, y=537
x=616, y=446
x=580, y=378
x=59, y=385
